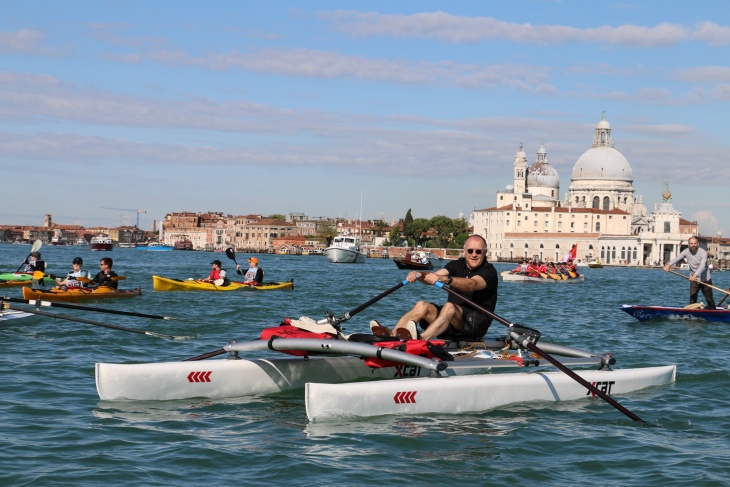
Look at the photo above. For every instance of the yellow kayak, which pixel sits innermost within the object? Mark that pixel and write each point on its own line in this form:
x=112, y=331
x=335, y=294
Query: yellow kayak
x=166, y=284
x=72, y=295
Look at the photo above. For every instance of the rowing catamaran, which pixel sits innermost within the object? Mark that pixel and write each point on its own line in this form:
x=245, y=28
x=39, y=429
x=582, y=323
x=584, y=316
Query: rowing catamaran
x=435, y=376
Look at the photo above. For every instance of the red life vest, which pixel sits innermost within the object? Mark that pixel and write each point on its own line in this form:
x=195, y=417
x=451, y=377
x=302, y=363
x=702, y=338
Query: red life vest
x=286, y=330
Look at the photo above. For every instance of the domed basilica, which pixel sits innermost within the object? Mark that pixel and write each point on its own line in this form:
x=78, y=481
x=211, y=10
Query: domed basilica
x=600, y=213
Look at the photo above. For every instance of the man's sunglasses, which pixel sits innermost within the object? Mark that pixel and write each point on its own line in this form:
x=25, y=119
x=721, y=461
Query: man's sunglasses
x=471, y=251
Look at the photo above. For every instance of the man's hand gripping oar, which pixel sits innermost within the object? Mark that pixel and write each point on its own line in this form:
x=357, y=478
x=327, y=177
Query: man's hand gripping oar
x=527, y=340
x=330, y=319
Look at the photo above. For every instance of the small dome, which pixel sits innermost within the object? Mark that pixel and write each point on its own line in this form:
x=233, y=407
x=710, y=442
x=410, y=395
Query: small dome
x=666, y=194
x=543, y=175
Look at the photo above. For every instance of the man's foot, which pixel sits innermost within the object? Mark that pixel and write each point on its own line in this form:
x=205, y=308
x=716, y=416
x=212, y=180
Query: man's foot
x=412, y=329
x=378, y=329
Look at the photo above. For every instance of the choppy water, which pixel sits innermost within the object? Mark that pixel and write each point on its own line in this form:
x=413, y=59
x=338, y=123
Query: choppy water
x=54, y=430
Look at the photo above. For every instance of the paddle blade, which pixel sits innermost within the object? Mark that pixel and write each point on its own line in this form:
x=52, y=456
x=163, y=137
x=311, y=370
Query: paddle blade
x=231, y=254
x=36, y=246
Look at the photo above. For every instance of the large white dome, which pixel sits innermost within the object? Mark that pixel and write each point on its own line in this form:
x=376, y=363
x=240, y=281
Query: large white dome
x=602, y=163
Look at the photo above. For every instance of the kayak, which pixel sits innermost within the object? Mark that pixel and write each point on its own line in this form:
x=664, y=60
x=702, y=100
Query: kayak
x=454, y=395
x=72, y=295
x=20, y=279
x=166, y=284
x=643, y=313
x=236, y=377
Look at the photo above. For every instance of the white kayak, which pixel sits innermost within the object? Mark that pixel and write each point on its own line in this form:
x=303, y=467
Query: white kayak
x=229, y=378
x=455, y=395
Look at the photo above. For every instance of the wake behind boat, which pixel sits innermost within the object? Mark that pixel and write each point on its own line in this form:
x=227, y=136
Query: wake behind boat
x=345, y=249
x=643, y=313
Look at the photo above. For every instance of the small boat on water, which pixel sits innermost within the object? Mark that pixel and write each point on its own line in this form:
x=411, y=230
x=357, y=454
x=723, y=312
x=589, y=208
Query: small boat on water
x=101, y=242
x=76, y=294
x=155, y=246
x=643, y=313
x=509, y=276
x=595, y=264
x=160, y=283
x=345, y=249
x=403, y=263
x=11, y=279
x=183, y=245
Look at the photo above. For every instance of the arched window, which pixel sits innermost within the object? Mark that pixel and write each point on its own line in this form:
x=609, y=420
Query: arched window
x=605, y=203
x=596, y=202
x=598, y=226
x=623, y=253
x=542, y=246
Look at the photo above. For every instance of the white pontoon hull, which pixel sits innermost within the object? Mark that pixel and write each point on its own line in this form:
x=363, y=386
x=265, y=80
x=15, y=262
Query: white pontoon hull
x=455, y=395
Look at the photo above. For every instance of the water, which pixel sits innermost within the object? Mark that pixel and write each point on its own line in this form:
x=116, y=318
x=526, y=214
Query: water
x=54, y=430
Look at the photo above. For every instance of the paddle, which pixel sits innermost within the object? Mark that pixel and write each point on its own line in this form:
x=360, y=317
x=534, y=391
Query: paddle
x=700, y=282
x=525, y=342
x=85, y=308
x=105, y=325
x=331, y=319
x=86, y=280
x=35, y=248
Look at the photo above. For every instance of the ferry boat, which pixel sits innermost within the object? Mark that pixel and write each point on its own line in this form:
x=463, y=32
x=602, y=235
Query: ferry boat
x=101, y=242
x=184, y=244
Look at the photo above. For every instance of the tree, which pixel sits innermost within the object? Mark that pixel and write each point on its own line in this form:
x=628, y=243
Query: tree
x=276, y=216
x=325, y=230
x=407, y=222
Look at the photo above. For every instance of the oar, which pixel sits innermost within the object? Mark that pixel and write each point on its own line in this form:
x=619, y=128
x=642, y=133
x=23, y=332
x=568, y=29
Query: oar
x=700, y=282
x=337, y=321
x=105, y=325
x=85, y=308
x=86, y=280
x=35, y=248
x=531, y=346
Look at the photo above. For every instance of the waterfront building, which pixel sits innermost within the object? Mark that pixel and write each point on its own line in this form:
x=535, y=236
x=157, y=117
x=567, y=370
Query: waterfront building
x=600, y=212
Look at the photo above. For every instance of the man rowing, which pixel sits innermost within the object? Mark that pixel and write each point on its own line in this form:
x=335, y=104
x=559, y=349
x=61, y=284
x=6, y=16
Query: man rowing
x=474, y=278
x=699, y=272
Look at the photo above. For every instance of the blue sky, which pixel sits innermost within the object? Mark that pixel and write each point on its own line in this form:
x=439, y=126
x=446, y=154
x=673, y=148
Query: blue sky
x=325, y=107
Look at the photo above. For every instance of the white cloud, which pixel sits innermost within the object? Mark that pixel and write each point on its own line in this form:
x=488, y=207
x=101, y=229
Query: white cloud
x=459, y=29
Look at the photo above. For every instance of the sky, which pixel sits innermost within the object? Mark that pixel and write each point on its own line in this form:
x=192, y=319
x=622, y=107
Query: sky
x=114, y=109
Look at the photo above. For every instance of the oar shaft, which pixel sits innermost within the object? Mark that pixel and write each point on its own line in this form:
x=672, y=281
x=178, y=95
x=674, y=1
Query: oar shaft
x=214, y=353
x=86, y=308
x=377, y=298
x=700, y=282
x=549, y=358
x=97, y=323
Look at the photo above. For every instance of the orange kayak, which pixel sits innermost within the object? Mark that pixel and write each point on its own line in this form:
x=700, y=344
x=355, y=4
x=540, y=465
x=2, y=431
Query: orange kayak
x=73, y=295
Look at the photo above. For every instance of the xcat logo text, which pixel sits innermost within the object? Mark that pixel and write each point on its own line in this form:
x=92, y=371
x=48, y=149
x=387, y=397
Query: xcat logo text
x=604, y=386
x=407, y=371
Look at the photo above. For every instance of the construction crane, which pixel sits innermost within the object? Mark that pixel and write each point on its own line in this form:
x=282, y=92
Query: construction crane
x=126, y=209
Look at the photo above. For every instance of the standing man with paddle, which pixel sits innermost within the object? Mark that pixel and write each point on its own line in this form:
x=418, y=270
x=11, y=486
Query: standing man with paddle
x=472, y=276
x=699, y=271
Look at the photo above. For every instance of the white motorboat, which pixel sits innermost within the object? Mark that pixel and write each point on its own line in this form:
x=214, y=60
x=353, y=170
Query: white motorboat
x=455, y=395
x=345, y=249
